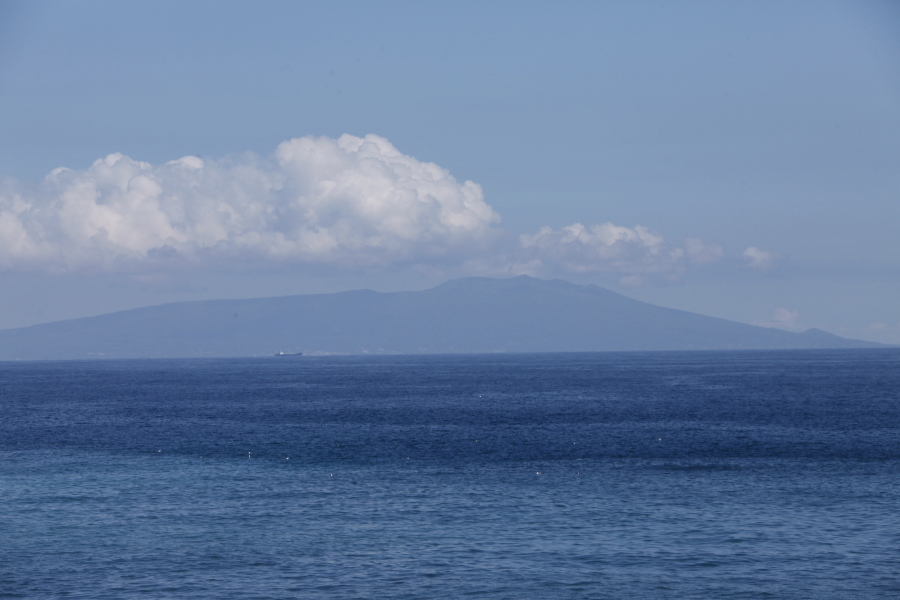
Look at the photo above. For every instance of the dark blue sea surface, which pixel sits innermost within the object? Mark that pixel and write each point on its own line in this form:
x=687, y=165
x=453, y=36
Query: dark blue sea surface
x=634, y=475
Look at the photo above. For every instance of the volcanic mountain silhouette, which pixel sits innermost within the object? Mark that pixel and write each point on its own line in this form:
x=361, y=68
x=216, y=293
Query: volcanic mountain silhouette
x=472, y=315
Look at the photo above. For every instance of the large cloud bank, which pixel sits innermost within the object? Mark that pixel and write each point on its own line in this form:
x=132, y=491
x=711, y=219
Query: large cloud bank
x=346, y=202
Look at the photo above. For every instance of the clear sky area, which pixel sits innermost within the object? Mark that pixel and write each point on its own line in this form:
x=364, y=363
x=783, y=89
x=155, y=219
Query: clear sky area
x=736, y=159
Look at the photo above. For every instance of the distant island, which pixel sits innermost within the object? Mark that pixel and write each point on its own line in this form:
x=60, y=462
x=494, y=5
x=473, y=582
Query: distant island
x=472, y=315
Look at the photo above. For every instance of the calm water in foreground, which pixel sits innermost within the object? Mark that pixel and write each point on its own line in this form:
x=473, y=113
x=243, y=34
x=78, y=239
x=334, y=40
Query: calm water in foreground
x=659, y=475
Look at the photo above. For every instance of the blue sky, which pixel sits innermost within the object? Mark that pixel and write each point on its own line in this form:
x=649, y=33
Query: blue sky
x=737, y=159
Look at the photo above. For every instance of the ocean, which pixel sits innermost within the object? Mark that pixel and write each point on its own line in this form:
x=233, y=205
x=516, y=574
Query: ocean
x=757, y=474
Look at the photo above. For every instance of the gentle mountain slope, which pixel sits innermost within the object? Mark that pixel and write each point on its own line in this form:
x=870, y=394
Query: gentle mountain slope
x=466, y=315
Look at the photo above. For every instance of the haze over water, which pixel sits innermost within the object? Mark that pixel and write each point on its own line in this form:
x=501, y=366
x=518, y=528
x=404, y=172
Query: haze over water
x=639, y=475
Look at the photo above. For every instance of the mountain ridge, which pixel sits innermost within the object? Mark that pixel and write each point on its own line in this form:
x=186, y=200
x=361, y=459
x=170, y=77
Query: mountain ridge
x=470, y=315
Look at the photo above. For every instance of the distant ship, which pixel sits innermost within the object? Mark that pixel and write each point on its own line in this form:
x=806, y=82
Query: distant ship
x=288, y=354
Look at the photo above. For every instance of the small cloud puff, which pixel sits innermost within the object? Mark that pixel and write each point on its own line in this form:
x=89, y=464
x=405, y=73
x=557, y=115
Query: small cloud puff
x=347, y=202
x=761, y=260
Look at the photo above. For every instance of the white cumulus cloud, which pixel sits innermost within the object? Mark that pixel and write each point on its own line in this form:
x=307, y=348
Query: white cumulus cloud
x=606, y=247
x=635, y=252
x=347, y=202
